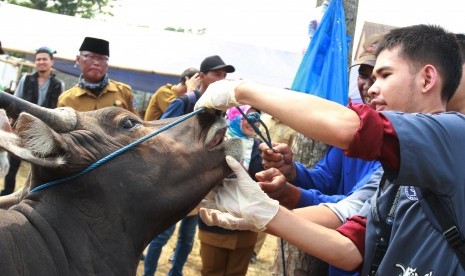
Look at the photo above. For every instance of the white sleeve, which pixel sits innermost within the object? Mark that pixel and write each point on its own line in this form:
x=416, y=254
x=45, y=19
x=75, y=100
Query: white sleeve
x=352, y=205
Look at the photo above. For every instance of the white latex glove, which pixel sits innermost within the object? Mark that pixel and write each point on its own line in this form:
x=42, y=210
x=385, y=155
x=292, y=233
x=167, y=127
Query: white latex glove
x=241, y=198
x=4, y=163
x=213, y=217
x=219, y=95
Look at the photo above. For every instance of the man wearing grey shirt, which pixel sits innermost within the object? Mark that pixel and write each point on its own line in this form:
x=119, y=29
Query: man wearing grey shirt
x=42, y=88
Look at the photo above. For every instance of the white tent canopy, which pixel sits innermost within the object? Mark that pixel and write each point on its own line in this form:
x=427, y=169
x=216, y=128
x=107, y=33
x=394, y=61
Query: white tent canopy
x=142, y=49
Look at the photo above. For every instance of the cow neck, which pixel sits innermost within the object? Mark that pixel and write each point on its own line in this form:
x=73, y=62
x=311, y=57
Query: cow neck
x=116, y=153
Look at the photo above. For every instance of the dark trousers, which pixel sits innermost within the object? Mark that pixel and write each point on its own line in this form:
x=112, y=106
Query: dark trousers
x=10, y=177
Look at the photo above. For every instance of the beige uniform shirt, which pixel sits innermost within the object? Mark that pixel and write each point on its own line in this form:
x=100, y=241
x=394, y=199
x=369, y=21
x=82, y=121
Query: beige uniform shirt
x=114, y=94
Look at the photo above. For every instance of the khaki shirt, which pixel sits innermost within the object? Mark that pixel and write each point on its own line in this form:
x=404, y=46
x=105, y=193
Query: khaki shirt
x=114, y=94
x=160, y=101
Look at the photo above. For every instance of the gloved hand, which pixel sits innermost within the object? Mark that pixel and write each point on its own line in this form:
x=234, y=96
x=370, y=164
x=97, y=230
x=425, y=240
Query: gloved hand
x=213, y=217
x=219, y=95
x=248, y=206
x=4, y=163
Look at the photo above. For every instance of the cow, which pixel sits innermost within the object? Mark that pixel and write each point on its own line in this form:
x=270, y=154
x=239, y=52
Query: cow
x=99, y=222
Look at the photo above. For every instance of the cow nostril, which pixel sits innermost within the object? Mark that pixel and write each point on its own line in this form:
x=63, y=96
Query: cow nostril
x=217, y=139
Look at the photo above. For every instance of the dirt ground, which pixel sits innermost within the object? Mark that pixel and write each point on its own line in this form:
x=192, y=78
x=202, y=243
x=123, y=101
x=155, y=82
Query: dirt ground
x=192, y=268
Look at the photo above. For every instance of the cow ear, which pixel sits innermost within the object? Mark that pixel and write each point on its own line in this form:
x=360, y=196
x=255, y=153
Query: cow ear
x=34, y=142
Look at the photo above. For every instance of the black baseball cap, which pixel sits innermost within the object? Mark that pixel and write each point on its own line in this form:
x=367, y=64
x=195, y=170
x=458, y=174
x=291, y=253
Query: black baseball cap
x=214, y=63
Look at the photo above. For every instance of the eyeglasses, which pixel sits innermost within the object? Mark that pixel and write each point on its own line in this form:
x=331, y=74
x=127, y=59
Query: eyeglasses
x=92, y=58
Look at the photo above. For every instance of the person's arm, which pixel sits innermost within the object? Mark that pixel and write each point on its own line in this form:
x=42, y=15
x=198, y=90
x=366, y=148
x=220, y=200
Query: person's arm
x=326, y=172
x=311, y=197
x=313, y=185
x=242, y=205
x=351, y=205
x=314, y=117
x=274, y=184
x=19, y=89
x=319, y=214
x=175, y=109
x=325, y=176
x=350, y=129
x=166, y=97
x=325, y=244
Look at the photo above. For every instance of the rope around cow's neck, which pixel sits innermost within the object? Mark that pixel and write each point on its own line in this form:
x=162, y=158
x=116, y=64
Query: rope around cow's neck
x=116, y=153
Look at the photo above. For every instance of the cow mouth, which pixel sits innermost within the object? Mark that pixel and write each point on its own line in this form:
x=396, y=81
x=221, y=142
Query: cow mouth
x=232, y=146
x=217, y=139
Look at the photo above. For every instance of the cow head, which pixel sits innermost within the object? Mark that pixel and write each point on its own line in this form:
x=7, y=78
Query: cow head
x=136, y=194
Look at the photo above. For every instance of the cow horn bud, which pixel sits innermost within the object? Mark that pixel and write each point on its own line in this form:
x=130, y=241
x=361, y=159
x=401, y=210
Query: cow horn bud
x=60, y=120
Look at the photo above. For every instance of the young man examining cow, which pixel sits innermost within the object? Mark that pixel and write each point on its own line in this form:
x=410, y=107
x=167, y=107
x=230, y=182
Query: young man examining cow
x=417, y=71
x=422, y=94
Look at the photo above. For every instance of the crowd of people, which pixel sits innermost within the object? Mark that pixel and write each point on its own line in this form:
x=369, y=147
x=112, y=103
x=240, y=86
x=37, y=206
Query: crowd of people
x=367, y=208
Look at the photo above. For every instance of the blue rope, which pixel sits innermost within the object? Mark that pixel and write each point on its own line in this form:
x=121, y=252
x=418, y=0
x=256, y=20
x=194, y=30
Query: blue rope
x=253, y=118
x=116, y=153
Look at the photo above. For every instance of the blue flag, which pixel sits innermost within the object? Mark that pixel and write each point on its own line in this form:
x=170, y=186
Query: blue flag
x=323, y=71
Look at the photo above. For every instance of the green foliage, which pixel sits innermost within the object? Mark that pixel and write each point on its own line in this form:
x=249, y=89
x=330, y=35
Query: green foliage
x=81, y=8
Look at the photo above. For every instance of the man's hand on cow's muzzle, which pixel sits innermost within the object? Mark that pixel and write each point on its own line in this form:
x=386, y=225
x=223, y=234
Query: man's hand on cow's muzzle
x=240, y=202
x=219, y=95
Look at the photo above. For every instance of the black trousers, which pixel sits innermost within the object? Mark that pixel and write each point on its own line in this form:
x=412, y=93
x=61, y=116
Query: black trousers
x=10, y=177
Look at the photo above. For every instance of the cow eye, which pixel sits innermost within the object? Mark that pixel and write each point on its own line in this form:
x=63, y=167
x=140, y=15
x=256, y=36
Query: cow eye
x=129, y=123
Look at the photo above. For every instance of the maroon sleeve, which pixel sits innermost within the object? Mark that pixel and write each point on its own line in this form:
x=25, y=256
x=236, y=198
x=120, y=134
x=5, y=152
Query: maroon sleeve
x=375, y=130
x=354, y=229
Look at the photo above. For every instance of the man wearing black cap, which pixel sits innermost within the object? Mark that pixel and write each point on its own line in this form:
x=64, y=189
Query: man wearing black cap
x=95, y=90
x=212, y=69
x=41, y=87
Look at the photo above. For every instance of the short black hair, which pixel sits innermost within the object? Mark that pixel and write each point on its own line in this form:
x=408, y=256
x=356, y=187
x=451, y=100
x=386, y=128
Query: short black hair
x=45, y=50
x=428, y=44
x=187, y=73
x=461, y=41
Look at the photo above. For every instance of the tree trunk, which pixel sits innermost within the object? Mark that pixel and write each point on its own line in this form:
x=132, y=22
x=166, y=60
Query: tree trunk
x=296, y=262
x=308, y=151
